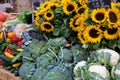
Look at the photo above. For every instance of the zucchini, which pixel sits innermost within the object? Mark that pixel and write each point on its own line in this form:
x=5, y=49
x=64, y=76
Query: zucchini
x=17, y=57
x=4, y=58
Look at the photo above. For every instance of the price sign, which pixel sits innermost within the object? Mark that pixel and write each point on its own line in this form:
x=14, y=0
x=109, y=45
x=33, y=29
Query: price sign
x=92, y=4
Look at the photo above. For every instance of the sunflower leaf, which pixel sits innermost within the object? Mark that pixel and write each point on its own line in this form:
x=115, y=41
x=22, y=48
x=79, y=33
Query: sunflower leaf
x=56, y=32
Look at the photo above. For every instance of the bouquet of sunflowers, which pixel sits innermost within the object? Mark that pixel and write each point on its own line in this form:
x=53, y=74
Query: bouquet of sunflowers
x=74, y=20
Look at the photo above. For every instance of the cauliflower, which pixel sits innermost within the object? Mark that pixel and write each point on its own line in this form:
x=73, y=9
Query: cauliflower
x=77, y=69
x=101, y=70
x=80, y=64
x=115, y=73
x=108, y=57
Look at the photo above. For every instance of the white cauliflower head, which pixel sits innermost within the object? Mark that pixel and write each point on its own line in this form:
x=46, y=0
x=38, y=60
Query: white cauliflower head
x=78, y=68
x=114, y=56
x=115, y=72
x=80, y=64
x=99, y=69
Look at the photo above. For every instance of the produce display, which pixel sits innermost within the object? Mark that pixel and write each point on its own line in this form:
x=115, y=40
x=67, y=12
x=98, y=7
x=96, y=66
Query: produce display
x=66, y=41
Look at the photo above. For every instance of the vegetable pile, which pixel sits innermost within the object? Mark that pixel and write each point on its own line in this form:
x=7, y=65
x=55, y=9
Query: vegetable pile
x=50, y=60
x=65, y=42
x=11, y=46
x=11, y=56
x=102, y=65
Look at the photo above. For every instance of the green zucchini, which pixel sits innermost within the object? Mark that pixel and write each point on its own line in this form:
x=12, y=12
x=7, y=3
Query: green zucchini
x=4, y=58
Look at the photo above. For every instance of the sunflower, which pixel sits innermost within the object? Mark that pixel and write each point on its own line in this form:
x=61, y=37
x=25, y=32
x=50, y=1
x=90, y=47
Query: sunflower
x=80, y=22
x=113, y=16
x=82, y=2
x=115, y=5
x=53, y=5
x=49, y=15
x=47, y=26
x=98, y=15
x=44, y=7
x=36, y=21
x=83, y=11
x=93, y=34
x=73, y=25
x=81, y=38
x=63, y=2
x=69, y=7
x=36, y=13
x=112, y=33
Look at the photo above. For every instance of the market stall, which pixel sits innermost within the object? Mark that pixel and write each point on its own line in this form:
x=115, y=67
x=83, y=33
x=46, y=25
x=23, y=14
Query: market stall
x=65, y=40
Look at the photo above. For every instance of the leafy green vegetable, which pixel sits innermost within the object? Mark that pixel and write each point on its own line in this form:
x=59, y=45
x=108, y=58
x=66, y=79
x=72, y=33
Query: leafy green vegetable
x=44, y=61
x=57, y=41
x=79, y=53
x=115, y=73
x=26, y=70
x=26, y=56
x=36, y=48
x=58, y=73
x=52, y=60
x=39, y=74
x=66, y=55
x=21, y=18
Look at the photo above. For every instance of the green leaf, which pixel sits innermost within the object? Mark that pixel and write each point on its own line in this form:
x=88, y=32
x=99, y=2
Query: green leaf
x=65, y=32
x=96, y=46
x=65, y=21
x=56, y=32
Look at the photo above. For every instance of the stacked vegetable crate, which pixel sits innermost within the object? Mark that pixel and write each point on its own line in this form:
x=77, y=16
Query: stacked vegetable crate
x=6, y=75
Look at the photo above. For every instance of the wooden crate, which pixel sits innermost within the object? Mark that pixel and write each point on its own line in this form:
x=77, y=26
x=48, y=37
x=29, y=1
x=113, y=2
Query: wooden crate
x=6, y=75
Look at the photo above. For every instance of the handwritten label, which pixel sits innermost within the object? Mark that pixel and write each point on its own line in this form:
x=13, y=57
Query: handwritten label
x=92, y=4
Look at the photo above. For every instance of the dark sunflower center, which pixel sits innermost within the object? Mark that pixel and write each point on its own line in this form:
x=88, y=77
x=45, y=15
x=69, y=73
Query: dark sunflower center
x=74, y=23
x=47, y=26
x=93, y=33
x=70, y=7
x=103, y=28
x=113, y=17
x=83, y=37
x=49, y=14
x=99, y=16
x=39, y=15
x=53, y=7
x=112, y=31
x=81, y=10
x=45, y=5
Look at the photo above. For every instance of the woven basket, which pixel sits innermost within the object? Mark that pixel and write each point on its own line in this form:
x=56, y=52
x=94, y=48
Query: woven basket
x=6, y=75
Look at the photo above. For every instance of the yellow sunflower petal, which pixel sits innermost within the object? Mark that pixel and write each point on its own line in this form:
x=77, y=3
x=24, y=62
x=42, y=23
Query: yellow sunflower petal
x=113, y=16
x=81, y=38
x=115, y=4
x=47, y=26
x=98, y=15
x=49, y=15
x=53, y=5
x=73, y=24
x=83, y=11
x=80, y=23
x=111, y=34
x=44, y=7
x=93, y=34
x=82, y=2
x=69, y=7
